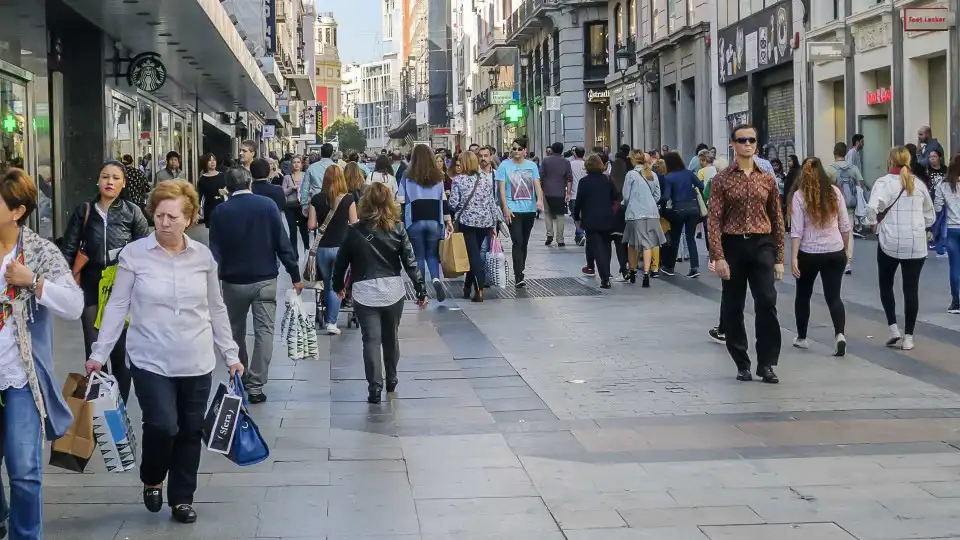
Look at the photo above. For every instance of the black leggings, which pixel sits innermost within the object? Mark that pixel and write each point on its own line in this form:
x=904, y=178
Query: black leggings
x=887, y=269
x=830, y=268
x=599, y=248
x=297, y=221
x=118, y=356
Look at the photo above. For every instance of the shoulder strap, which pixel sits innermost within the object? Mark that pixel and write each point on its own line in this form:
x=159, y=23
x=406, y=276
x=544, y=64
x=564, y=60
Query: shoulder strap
x=83, y=229
x=883, y=213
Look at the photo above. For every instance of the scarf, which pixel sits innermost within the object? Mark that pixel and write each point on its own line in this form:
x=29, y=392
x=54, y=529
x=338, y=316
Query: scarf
x=10, y=292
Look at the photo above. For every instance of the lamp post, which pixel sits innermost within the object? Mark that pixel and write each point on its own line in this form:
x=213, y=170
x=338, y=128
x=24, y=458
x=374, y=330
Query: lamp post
x=622, y=57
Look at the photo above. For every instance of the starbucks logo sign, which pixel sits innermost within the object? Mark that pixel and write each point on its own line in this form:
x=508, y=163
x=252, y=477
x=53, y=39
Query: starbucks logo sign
x=147, y=72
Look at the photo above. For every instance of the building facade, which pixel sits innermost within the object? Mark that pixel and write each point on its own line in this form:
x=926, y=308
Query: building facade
x=328, y=70
x=84, y=81
x=350, y=90
x=759, y=74
x=659, y=81
x=884, y=81
x=374, y=106
x=496, y=74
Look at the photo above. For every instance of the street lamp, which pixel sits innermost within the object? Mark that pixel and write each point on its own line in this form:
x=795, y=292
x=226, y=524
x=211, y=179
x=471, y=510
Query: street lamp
x=493, y=75
x=622, y=57
x=524, y=60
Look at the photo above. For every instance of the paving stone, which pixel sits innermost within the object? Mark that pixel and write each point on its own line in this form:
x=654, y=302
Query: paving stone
x=679, y=517
x=793, y=531
x=672, y=533
x=490, y=516
x=470, y=483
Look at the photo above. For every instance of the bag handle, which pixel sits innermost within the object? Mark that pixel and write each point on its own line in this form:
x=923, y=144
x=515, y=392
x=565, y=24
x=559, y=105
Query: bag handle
x=83, y=229
x=881, y=215
x=236, y=388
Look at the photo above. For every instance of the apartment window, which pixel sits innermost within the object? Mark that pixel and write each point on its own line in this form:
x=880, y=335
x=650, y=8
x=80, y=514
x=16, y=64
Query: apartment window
x=671, y=12
x=632, y=19
x=654, y=19
x=597, y=54
x=618, y=21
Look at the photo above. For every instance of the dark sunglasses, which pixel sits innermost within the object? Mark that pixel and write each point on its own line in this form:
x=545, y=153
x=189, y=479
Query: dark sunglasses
x=517, y=149
x=745, y=140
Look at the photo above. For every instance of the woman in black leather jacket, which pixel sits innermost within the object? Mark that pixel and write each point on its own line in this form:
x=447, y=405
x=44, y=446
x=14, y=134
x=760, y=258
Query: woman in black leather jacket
x=376, y=248
x=101, y=243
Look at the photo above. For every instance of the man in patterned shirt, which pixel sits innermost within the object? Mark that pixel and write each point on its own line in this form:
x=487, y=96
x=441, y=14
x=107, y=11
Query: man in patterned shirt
x=745, y=227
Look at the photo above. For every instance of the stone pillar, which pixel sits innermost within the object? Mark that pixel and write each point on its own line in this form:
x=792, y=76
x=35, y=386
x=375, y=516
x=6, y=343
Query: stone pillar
x=572, y=96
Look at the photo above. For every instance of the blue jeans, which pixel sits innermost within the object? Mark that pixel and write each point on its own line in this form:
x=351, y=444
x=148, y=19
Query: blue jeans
x=425, y=235
x=23, y=449
x=326, y=256
x=953, y=253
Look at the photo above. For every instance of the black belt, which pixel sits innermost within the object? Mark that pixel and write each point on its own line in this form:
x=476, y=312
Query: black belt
x=746, y=236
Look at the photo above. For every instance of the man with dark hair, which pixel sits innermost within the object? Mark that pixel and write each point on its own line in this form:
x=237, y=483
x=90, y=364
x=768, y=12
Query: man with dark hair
x=745, y=228
x=137, y=188
x=313, y=181
x=578, y=170
x=556, y=177
x=521, y=196
x=248, y=152
x=854, y=156
x=246, y=239
x=474, y=148
x=260, y=170
x=172, y=170
x=847, y=177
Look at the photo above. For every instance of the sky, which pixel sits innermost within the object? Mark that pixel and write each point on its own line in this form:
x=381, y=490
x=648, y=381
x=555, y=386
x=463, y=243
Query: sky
x=358, y=28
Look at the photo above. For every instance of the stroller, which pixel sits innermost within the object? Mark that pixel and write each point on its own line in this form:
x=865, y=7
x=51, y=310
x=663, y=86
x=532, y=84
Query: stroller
x=346, y=305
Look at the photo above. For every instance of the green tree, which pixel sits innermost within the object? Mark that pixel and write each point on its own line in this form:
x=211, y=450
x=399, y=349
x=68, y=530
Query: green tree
x=346, y=131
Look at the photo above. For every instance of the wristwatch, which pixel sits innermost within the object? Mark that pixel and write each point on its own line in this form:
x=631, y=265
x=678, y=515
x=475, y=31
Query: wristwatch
x=33, y=286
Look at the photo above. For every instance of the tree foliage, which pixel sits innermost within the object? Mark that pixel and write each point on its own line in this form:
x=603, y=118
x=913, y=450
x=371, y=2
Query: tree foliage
x=346, y=131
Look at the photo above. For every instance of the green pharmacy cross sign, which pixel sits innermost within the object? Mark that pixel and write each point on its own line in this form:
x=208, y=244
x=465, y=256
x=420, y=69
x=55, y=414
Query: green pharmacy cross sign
x=513, y=113
x=9, y=123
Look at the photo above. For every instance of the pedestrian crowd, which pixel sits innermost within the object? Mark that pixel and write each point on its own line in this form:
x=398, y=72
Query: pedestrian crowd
x=159, y=308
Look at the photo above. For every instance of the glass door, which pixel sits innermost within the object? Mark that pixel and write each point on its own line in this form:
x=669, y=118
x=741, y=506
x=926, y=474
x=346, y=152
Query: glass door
x=145, y=139
x=14, y=137
x=123, y=130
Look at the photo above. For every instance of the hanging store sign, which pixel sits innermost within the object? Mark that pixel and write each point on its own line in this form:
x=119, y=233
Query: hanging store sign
x=553, y=103
x=501, y=97
x=928, y=19
x=880, y=96
x=146, y=72
x=598, y=96
x=270, y=30
x=826, y=51
x=758, y=42
x=269, y=131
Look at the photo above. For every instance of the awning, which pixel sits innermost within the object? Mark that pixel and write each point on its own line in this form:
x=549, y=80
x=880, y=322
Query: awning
x=303, y=86
x=201, y=49
x=271, y=70
x=407, y=126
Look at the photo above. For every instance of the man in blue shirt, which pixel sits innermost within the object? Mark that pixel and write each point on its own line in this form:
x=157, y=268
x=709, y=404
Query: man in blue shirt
x=246, y=239
x=313, y=181
x=521, y=196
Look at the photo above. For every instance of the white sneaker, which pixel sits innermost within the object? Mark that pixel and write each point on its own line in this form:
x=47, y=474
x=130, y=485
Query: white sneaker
x=841, y=346
x=801, y=343
x=907, y=343
x=332, y=329
x=894, y=338
x=848, y=270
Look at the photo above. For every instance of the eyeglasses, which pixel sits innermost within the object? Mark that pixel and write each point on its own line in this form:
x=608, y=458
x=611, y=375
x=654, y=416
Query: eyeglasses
x=745, y=140
x=516, y=149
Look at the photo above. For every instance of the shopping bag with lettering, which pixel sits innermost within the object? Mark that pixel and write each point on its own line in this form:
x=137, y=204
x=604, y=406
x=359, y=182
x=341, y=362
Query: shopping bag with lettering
x=220, y=422
x=111, y=423
x=496, y=264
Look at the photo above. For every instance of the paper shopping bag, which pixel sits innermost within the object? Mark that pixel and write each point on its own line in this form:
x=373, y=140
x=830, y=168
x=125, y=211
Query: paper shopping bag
x=453, y=255
x=220, y=422
x=248, y=447
x=73, y=451
x=111, y=424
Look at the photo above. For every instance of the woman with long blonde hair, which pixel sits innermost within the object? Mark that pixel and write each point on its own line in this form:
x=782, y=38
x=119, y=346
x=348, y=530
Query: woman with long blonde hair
x=331, y=211
x=900, y=210
x=376, y=248
x=356, y=183
x=642, y=234
x=819, y=235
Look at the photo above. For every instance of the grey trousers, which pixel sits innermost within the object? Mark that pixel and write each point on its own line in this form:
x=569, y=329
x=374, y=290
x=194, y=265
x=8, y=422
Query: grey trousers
x=379, y=328
x=262, y=298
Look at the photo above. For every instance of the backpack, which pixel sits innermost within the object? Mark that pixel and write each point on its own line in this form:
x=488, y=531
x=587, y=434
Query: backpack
x=846, y=180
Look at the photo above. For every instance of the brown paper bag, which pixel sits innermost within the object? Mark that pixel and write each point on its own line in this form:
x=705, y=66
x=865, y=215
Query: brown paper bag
x=453, y=256
x=75, y=448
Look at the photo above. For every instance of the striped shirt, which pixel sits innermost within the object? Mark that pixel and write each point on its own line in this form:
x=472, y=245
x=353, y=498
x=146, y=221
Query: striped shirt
x=813, y=239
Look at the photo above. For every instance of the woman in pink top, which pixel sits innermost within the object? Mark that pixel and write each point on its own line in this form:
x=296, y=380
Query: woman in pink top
x=819, y=234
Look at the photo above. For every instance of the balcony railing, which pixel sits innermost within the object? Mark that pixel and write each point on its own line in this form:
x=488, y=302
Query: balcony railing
x=522, y=14
x=492, y=39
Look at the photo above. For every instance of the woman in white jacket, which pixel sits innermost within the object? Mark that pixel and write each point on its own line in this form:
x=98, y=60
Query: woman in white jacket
x=901, y=210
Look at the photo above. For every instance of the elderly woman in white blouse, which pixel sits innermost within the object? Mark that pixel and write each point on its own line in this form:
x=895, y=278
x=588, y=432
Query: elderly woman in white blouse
x=168, y=284
x=901, y=208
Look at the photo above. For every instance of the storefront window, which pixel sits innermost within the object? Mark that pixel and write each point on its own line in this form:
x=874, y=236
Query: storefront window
x=122, y=130
x=13, y=115
x=164, y=140
x=43, y=156
x=597, y=46
x=178, y=141
x=145, y=141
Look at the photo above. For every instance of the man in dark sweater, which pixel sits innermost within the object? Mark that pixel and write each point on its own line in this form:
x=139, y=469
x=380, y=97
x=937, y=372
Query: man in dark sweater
x=260, y=170
x=246, y=239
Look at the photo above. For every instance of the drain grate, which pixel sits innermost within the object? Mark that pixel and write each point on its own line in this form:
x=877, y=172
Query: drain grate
x=536, y=288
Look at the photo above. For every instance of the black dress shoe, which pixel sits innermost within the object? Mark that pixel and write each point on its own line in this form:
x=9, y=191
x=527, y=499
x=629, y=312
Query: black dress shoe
x=767, y=375
x=744, y=375
x=184, y=513
x=257, y=398
x=373, y=396
x=153, y=499
x=392, y=385
x=3, y=530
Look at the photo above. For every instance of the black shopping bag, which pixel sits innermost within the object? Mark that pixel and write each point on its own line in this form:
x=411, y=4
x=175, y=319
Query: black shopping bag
x=220, y=423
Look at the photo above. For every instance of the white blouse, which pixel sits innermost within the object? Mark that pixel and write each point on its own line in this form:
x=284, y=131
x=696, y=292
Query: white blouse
x=903, y=231
x=178, y=321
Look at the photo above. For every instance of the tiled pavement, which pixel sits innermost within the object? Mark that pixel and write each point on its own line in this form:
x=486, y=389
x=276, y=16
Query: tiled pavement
x=607, y=417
